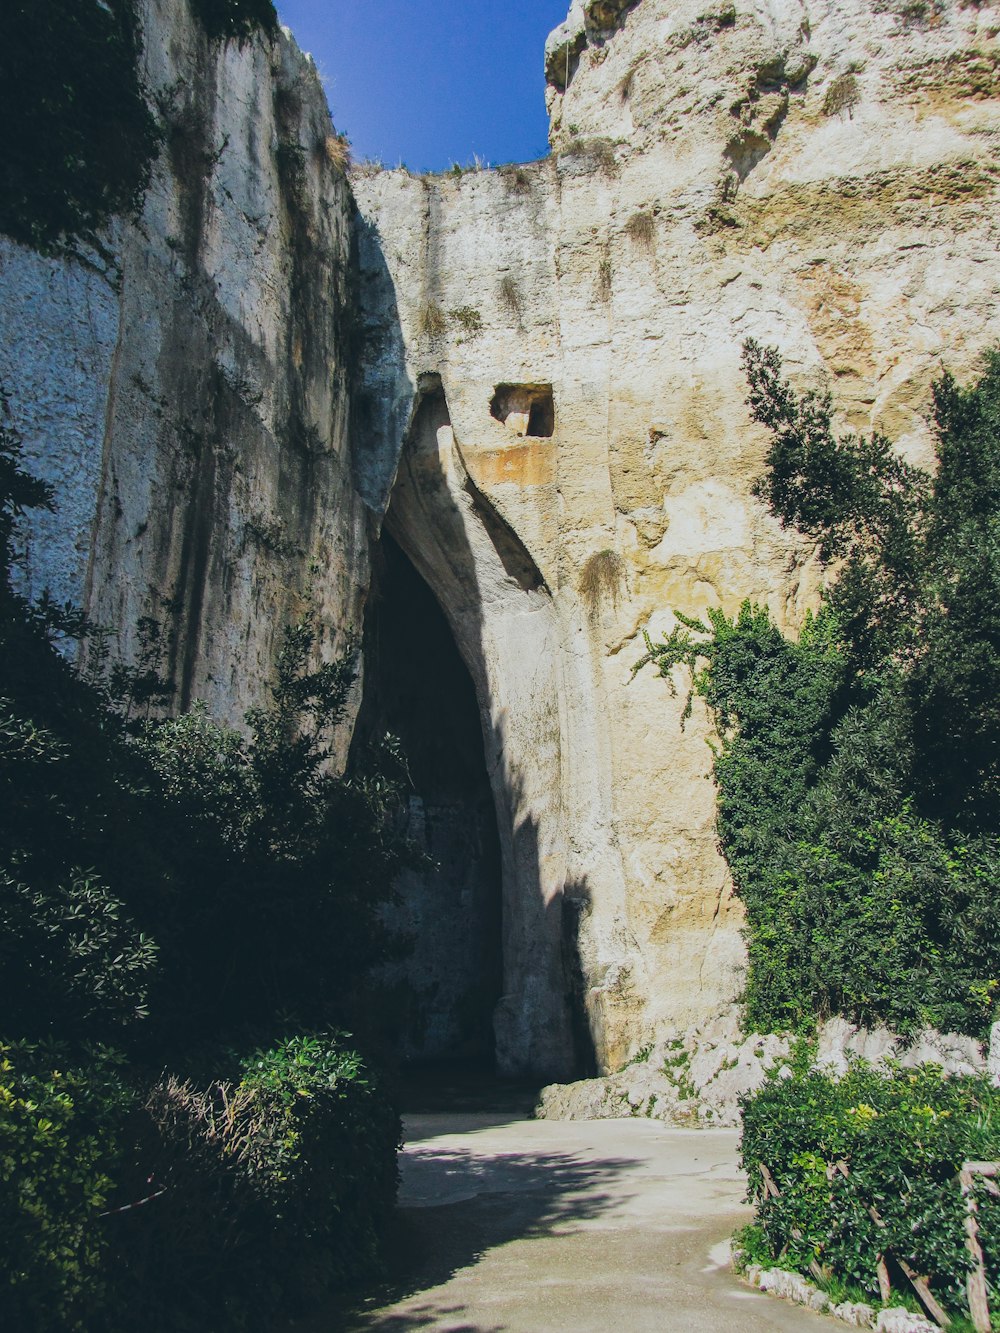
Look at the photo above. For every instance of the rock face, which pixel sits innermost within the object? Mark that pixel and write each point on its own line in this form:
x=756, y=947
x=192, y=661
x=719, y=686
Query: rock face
x=531, y=377
x=699, y=1076
x=821, y=177
x=185, y=387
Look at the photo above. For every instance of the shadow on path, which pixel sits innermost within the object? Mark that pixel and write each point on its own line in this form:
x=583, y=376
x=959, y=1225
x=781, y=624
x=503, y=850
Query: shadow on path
x=457, y=1205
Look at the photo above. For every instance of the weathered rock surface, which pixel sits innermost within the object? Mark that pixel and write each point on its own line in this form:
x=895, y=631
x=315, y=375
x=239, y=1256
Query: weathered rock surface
x=698, y=1077
x=823, y=178
x=185, y=389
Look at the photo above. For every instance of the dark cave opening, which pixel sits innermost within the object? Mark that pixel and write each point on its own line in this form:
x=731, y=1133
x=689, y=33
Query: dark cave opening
x=436, y=1001
x=528, y=409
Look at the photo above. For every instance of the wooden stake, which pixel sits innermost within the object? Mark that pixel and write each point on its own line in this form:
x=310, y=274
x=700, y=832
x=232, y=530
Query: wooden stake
x=976, y=1285
x=920, y=1286
x=884, y=1285
x=918, y=1283
x=772, y=1189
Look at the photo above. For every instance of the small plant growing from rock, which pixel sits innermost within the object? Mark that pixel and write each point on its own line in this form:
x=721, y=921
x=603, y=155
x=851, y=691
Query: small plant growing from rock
x=510, y=295
x=843, y=94
x=516, y=179
x=337, y=149
x=912, y=13
x=641, y=228
x=604, y=276
x=469, y=318
x=431, y=320
x=599, y=154
x=602, y=577
x=602, y=153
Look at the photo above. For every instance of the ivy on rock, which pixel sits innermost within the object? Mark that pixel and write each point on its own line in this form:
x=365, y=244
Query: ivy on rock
x=859, y=767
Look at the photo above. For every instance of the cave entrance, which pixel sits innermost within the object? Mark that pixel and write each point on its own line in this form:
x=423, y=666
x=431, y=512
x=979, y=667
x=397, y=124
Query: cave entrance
x=475, y=698
x=438, y=1000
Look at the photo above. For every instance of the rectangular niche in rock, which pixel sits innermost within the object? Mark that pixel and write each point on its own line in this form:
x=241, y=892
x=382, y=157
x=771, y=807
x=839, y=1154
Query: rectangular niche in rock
x=526, y=409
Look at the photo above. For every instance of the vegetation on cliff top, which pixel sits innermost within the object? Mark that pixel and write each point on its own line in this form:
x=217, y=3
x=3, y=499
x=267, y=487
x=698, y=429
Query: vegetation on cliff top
x=79, y=138
x=859, y=770
x=235, y=18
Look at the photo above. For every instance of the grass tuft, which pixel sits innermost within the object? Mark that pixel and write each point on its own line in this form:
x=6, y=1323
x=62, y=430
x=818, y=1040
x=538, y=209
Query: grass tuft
x=431, y=320
x=641, y=228
x=601, y=578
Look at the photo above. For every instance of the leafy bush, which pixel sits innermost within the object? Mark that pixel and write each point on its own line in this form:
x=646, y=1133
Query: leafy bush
x=282, y=868
x=61, y=1135
x=859, y=770
x=235, y=18
x=278, y=1184
x=78, y=136
x=223, y=884
x=893, y=1143
x=216, y=880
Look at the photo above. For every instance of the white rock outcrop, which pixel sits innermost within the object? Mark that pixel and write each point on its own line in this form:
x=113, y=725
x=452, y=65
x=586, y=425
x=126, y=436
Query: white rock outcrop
x=699, y=1076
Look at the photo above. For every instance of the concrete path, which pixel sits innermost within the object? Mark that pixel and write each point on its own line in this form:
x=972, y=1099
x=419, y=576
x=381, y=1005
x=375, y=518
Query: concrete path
x=609, y=1226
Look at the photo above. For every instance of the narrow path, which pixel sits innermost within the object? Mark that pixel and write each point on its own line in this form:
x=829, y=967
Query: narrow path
x=527, y=1226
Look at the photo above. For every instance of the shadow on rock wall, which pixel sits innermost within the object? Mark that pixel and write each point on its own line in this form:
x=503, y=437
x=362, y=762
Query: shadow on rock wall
x=500, y=614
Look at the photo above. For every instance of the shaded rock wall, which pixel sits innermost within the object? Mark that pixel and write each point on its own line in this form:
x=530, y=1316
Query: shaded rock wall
x=439, y=996
x=185, y=385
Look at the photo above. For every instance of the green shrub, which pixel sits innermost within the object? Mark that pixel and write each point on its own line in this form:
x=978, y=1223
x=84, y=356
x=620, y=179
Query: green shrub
x=843, y=94
x=259, y=874
x=61, y=1135
x=278, y=869
x=279, y=1183
x=212, y=879
x=859, y=767
x=79, y=138
x=235, y=18
x=902, y=1138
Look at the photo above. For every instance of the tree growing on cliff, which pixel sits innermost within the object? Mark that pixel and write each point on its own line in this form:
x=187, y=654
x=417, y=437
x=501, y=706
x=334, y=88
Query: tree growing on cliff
x=79, y=138
x=859, y=770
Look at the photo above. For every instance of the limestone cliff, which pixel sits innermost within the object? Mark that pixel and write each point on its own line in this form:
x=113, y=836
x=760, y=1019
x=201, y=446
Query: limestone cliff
x=821, y=176
x=546, y=410
x=184, y=386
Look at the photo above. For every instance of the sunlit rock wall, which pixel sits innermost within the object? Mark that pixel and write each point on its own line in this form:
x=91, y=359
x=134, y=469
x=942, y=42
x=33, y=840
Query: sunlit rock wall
x=184, y=385
x=819, y=176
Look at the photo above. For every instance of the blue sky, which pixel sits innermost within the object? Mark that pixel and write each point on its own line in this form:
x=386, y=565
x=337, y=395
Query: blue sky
x=431, y=82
